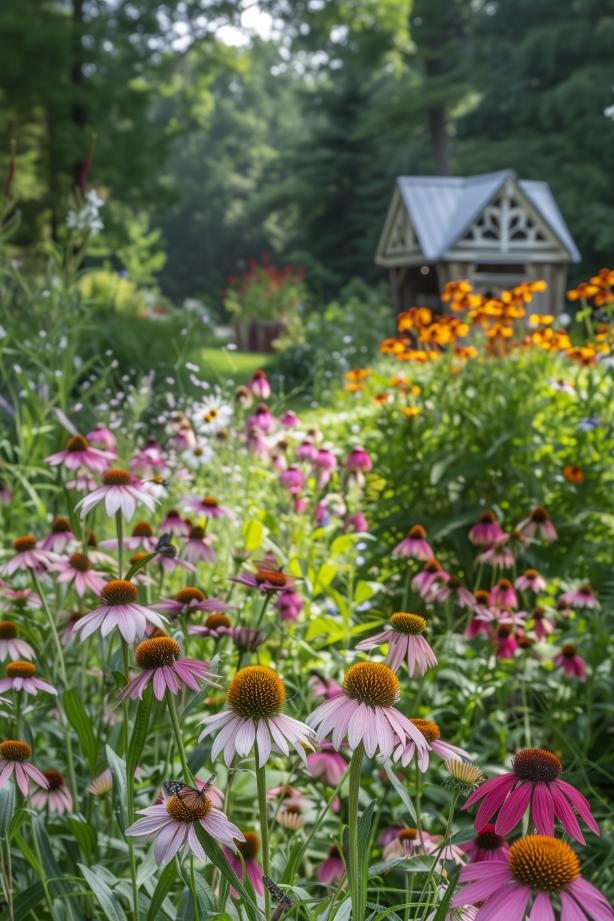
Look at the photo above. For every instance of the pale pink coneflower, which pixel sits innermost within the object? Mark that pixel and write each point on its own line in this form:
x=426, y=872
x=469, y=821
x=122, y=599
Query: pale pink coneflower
x=538, y=869
x=290, y=795
x=255, y=699
x=102, y=784
x=487, y=530
x=197, y=547
x=149, y=458
x=188, y=600
x=260, y=386
x=248, y=849
x=119, y=610
x=324, y=687
x=533, y=783
x=289, y=604
x=21, y=676
x=11, y=647
x=415, y=545
x=174, y=524
x=246, y=639
x=208, y=506
x=290, y=420
x=103, y=436
x=486, y=845
x=77, y=570
x=530, y=580
x=538, y=524
x=172, y=823
x=365, y=713
x=141, y=536
x=423, y=581
x=67, y=631
x=79, y=454
x=27, y=556
x=499, y=556
x=332, y=868
x=119, y=493
x=14, y=756
x=56, y=798
x=582, y=597
x=432, y=735
x=159, y=659
x=327, y=765
x=571, y=662
x=451, y=587
x=410, y=842
x=215, y=627
x=542, y=625
x=405, y=640
x=306, y=451
x=22, y=598
x=261, y=421
x=502, y=595
x=81, y=483
x=59, y=537
x=324, y=464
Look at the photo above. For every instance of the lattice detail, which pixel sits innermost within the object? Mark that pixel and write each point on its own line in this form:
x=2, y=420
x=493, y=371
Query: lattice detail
x=401, y=239
x=504, y=225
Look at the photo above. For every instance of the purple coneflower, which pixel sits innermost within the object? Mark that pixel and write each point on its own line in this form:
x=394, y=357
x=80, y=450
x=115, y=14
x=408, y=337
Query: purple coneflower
x=542, y=625
x=21, y=676
x=531, y=580
x=216, y=626
x=59, y=537
x=120, y=493
x=11, y=647
x=172, y=825
x=583, y=597
x=22, y=597
x=254, y=716
x=260, y=386
x=78, y=453
x=432, y=734
x=27, y=556
x=246, y=639
x=207, y=506
x=56, y=798
x=14, y=756
x=357, y=523
x=324, y=687
x=571, y=662
x=502, y=595
x=415, y=545
x=103, y=436
x=102, y=784
x=483, y=616
x=507, y=644
x=487, y=845
x=534, y=782
x=266, y=578
x=190, y=599
x=327, y=765
x=499, y=556
x=142, y=536
x=486, y=531
x=290, y=420
x=537, y=869
x=306, y=451
x=423, y=581
x=405, y=641
x=538, y=524
x=119, y=610
x=261, y=421
x=248, y=849
x=451, y=587
x=159, y=659
x=289, y=604
x=358, y=461
x=77, y=570
x=174, y=524
x=293, y=479
x=198, y=546
x=332, y=869
x=324, y=464
x=365, y=713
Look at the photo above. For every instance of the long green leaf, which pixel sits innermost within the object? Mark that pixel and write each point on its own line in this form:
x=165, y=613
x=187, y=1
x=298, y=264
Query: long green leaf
x=82, y=724
x=139, y=732
x=104, y=894
x=163, y=887
x=7, y=808
x=120, y=787
x=27, y=900
x=58, y=886
x=84, y=834
x=217, y=858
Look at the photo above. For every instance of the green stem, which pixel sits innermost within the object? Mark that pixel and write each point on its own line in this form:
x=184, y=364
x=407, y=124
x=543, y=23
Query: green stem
x=418, y=798
x=267, y=598
x=355, y=772
x=187, y=774
x=42, y=874
x=119, y=527
x=264, y=827
x=129, y=785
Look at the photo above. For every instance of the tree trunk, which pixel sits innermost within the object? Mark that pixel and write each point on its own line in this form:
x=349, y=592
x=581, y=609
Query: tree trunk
x=438, y=128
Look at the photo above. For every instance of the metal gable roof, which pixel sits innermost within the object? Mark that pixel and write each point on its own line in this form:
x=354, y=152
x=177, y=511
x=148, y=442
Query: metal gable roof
x=442, y=208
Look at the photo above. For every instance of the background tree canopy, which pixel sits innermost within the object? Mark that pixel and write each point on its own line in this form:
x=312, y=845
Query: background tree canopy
x=289, y=141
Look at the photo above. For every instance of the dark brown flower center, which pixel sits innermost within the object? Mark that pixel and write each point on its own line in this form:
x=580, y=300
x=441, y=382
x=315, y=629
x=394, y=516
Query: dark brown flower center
x=77, y=443
x=481, y=596
x=156, y=652
x=531, y=573
x=408, y=834
x=537, y=765
x=417, y=532
x=215, y=621
x=116, y=478
x=488, y=839
x=186, y=595
x=181, y=812
x=119, y=591
x=250, y=847
x=80, y=562
x=372, y=683
x=196, y=533
x=54, y=779
x=15, y=750
x=544, y=863
x=504, y=584
x=487, y=518
x=539, y=515
x=504, y=630
x=256, y=692
x=569, y=650
x=60, y=525
x=210, y=502
x=432, y=566
x=585, y=589
x=8, y=630
x=142, y=529
x=21, y=544
x=20, y=669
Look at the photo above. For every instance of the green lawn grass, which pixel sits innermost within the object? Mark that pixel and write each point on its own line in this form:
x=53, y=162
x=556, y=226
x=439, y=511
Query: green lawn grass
x=221, y=365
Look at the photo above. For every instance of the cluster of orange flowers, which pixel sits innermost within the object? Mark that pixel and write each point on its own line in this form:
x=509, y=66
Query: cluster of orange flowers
x=597, y=289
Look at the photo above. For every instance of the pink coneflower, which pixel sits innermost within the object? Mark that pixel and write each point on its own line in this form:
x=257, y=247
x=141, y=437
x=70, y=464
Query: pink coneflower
x=358, y=461
x=102, y=784
x=119, y=610
x=11, y=647
x=502, y=595
x=410, y=842
x=81, y=483
x=159, y=659
x=583, y=597
x=507, y=644
x=172, y=825
x=365, y=712
x=56, y=798
x=77, y=570
x=119, y=493
x=332, y=869
x=538, y=868
x=483, y=616
x=21, y=676
x=293, y=479
x=149, y=458
x=324, y=687
x=534, y=782
x=327, y=765
x=254, y=716
x=22, y=597
x=103, y=436
x=267, y=578
x=190, y=599
x=431, y=732
x=423, y=581
x=68, y=630
x=499, y=556
x=542, y=625
x=324, y=464
x=571, y=662
x=216, y=626
x=486, y=531
x=447, y=586
x=142, y=535
x=290, y=420
x=405, y=641
x=14, y=756
x=59, y=537
x=208, y=506
x=487, y=845
x=247, y=639
x=356, y=522
x=27, y=556
x=248, y=849
x=78, y=453
x=260, y=386
x=198, y=546
x=538, y=524
x=261, y=420
x=530, y=580
x=289, y=604
x=306, y=451
x=174, y=524
x=415, y=545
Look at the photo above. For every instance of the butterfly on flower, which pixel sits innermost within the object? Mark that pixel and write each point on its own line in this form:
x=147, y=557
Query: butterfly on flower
x=191, y=797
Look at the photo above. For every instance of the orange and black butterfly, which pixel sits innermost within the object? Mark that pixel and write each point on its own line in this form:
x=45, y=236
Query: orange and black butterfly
x=267, y=570
x=192, y=797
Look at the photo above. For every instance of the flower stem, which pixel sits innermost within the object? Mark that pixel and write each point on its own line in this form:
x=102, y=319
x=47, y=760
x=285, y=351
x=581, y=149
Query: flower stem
x=264, y=827
x=129, y=785
x=119, y=527
x=355, y=882
x=187, y=774
x=267, y=598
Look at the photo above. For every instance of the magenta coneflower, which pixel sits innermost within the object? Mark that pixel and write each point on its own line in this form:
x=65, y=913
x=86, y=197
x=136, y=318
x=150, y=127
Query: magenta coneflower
x=538, y=524
x=190, y=599
x=22, y=597
x=198, y=546
x=293, y=479
x=174, y=524
x=208, y=506
x=21, y=676
x=405, y=641
x=534, y=782
x=14, y=756
x=415, y=545
x=324, y=687
x=423, y=581
x=324, y=464
x=79, y=453
x=531, y=580
x=254, y=716
x=447, y=586
x=583, y=597
x=483, y=616
x=487, y=845
x=261, y=420
x=289, y=604
x=537, y=868
x=119, y=610
x=120, y=493
x=358, y=461
x=327, y=765
x=103, y=436
x=59, y=537
x=571, y=662
x=142, y=536
x=306, y=451
x=542, y=625
x=159, y=659
x=365, y=712
x=248, y=849
x=507, y=644
x=290, y=420
x=432, y=735
x=216, y=626
x=27, y=556
x=502, y=595
x=260, y=386
x=267, y=578
x=11, y=647
x=486, y=530
x=77, y=570
x=332, y=869
x=499, y=556
x=172, y=825
x=56, y=798
x=68, y=628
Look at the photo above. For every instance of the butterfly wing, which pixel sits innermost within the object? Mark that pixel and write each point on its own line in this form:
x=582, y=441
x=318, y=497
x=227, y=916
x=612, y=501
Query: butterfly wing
x=266, y=566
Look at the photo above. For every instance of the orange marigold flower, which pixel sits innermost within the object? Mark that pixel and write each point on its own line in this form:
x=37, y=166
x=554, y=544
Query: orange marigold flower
x=573, y=474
